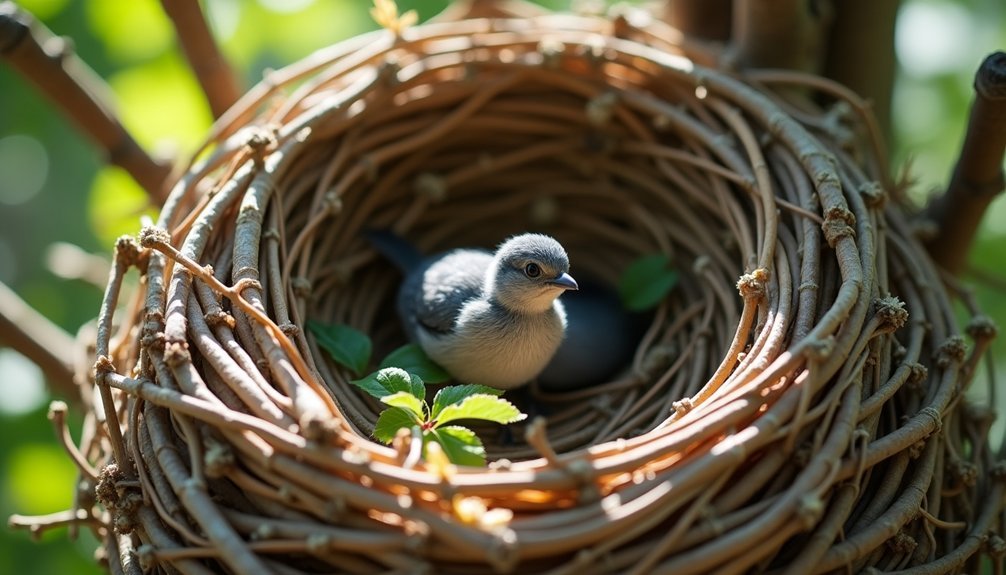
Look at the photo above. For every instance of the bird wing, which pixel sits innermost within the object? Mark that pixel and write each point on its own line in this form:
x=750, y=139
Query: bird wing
x=434, y=295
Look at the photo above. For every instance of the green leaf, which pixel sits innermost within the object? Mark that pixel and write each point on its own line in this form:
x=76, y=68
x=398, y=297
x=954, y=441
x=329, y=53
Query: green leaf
x=456, y=393
x=461, y=445
x=481, y=406
x=370, y=385
x=348, y=346
x=397, y=379
x=405, y=400
x=646, y=282
x=391, y=380
x=413, y=359
x=390, y=421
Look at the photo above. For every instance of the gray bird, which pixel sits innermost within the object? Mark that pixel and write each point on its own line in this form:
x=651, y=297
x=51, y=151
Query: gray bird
x=491, y=319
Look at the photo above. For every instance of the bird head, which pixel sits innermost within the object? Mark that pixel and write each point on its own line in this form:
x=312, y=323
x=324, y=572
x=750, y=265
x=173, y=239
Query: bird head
x=529, y=271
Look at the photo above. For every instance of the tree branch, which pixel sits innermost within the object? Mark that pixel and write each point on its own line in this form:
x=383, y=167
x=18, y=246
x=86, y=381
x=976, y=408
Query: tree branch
x=787, y=34
x=707, y=20
x=49, y=63
x=860, y=52
x=34, y=336
x=207, y=62
x=978, y=177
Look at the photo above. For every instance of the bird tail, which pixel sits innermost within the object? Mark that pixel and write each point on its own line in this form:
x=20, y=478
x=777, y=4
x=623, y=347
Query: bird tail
x=403, y=254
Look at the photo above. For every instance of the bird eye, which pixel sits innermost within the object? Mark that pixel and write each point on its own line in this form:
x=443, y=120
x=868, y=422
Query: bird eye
x=532, y=270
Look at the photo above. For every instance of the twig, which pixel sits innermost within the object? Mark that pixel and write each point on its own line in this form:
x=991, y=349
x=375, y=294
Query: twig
x=832, y=89
x=161, y=241
x=39, y=524
x=126, y=254
x=70, y=261
x=161, y=539
x=57, y=415
x=978, y=177
x=210, y=66
x=49, y=63
x=536, y=437
x=194, y=496
x=936, y=521
x=43, y=342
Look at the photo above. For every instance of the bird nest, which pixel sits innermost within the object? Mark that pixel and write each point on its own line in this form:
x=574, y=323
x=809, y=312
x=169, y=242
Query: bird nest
x=793, y=405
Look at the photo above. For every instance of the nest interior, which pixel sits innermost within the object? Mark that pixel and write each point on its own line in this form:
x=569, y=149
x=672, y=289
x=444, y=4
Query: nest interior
x=795, y=405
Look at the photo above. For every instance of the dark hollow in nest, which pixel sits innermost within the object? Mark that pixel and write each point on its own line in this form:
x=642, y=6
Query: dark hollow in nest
x=794, y=406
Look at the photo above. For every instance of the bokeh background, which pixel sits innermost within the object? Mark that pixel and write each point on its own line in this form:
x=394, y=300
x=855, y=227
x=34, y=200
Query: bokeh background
x=56, y=193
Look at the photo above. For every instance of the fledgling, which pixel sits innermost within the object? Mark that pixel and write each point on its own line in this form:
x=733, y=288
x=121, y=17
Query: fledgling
x=491, y=319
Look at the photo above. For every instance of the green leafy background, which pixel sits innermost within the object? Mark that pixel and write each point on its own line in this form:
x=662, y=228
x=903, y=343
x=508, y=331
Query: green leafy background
x=53, y=187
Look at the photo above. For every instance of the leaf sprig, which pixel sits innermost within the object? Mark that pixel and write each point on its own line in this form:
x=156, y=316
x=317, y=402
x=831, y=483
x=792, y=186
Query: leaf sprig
x=646, y=282
x=400, y=383
x=405, y=395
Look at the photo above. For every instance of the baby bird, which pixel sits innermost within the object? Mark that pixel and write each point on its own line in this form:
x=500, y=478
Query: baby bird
x=491, y=319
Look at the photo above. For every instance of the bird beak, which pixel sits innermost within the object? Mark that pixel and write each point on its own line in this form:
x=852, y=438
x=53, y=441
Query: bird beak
x=565, y=281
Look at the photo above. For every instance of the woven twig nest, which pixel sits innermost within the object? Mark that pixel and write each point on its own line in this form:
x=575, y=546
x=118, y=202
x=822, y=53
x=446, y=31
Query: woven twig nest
x=811, y=422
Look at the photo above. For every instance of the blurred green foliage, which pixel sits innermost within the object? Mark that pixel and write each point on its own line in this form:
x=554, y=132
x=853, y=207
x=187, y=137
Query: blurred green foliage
x=132, y=46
